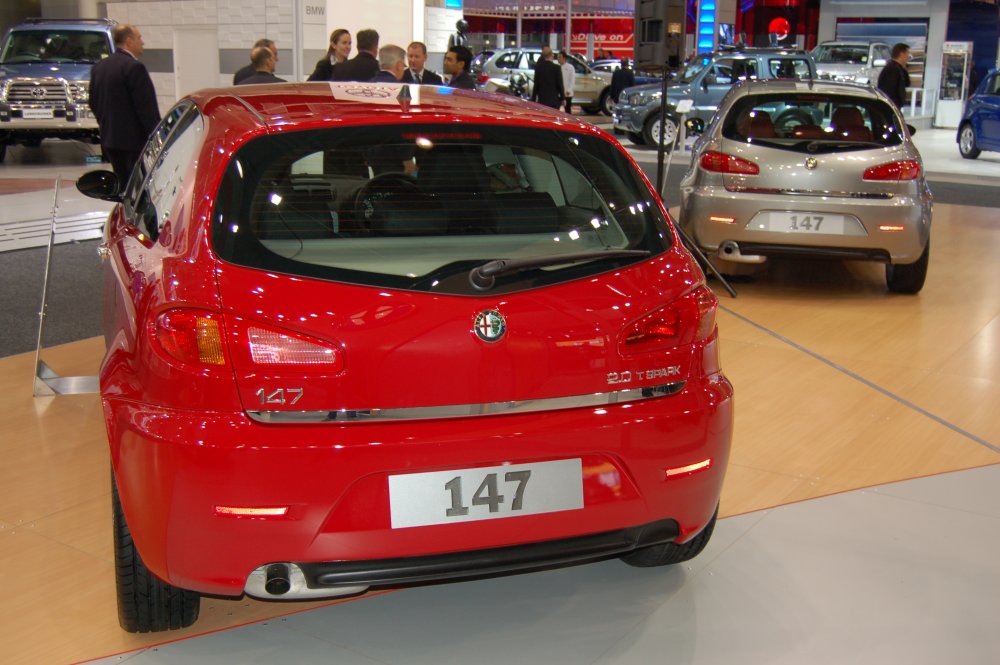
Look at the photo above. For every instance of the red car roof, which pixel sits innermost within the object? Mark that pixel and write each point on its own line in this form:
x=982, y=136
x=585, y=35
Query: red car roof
x=305, y=105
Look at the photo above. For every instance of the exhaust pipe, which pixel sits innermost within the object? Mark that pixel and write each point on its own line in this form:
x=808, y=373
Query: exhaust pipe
x=730, y=251
x=277, y=579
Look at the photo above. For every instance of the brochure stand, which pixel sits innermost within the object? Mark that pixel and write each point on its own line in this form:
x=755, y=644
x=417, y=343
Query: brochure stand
x=47, y=382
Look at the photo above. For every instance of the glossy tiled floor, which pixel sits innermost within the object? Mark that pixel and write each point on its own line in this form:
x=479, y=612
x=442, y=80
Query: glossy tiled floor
x=823, y=556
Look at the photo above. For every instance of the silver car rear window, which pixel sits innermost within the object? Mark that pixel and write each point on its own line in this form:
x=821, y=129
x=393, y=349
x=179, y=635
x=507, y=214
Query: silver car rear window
x=417, y=206
x=813, y=122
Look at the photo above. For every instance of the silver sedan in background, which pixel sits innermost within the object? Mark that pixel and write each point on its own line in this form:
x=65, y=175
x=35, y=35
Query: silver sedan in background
x=809, y=169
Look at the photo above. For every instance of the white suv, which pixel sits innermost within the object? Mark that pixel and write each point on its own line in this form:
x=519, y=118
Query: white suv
x=851, y=62
x=591, y=89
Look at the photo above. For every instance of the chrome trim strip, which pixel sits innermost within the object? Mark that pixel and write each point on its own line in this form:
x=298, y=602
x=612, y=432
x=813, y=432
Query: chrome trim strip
x=469, y=410
x=809, y=192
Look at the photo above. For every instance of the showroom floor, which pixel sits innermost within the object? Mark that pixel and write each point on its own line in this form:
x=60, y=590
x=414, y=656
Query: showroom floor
x=861, y=511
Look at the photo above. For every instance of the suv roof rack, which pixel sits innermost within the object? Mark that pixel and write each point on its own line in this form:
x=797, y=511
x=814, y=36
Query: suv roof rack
x=82, y=21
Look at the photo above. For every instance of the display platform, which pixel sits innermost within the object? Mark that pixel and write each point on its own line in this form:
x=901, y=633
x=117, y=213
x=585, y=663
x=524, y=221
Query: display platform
x=839, y=386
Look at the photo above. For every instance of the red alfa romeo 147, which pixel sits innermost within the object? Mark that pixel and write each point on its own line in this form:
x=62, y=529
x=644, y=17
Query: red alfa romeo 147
x=364, y=335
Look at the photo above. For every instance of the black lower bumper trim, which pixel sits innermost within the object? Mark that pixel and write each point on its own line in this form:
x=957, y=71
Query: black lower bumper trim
x=856, y=253
x=456, y=565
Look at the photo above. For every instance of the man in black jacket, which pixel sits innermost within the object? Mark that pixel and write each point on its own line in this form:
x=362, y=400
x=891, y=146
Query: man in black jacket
x=456, y=63
x=416, y=57
x=250, y=70
x=363, y=66
x=548, y=86
x=263, y=62
x=895, y=79
x=123, y=100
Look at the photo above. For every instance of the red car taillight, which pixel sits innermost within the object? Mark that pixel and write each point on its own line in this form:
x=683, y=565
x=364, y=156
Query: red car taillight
x=195, y=337
x=483, y=78
x=255, y=346
x=686, y=320
x=907, y=169
x=720, y=162
x=191, y=336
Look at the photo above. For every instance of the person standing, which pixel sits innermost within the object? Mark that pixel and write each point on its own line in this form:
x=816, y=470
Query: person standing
x=416, y=57
x=392, y=64
x=548, y=87
x=894, y=78
x=338, y=51
x=250, y=70
x=263, y=61
x=363, y=66
x=569, y=80
x=621, y=78
x=123, y=100
x=456, y=64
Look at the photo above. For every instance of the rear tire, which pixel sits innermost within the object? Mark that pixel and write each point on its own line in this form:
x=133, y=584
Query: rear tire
x=967, y=142
x=666, y=554
x=606, y=104
x=637, y=138
x=908, y=278
x=145, y=603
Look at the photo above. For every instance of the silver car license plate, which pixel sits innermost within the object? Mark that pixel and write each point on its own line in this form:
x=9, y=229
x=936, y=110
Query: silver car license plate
x=483, y=493
x=806, y=222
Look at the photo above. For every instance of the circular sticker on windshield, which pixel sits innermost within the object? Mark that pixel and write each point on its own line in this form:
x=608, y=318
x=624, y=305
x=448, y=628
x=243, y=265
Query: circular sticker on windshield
x=490, y=325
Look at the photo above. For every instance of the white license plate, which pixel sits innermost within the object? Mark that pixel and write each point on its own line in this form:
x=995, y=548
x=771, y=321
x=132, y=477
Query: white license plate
x=36, y=114
x=484, y=493
x=806, y=222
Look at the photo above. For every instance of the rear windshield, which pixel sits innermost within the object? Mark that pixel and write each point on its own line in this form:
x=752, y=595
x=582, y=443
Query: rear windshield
x=418, y=206
x=87, y=46
x=813, y=122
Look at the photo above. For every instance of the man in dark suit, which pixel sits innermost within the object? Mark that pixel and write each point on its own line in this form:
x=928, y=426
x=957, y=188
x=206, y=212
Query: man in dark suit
x=262, y=59
x=416, y=57
x=895, y=78
x=363, y=66
x=548, y=86
x=456, y=63
x=123, y=100
x=250, y=69
x=392, y=64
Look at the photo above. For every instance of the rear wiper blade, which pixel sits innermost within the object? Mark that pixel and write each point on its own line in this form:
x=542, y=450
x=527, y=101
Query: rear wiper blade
x=483, y=277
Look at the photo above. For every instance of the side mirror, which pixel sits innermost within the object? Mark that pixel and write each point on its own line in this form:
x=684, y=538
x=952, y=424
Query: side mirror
x=879, y=62
x=99, y=185
x=695, y=125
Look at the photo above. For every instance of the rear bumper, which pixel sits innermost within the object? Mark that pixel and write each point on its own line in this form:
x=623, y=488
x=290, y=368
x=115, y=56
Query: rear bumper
x=174, y=467
x=459, y=565
x=910, y=213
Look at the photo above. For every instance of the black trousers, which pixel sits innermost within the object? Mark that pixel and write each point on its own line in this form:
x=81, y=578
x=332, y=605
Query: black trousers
x=569, y=104
x=122, y=162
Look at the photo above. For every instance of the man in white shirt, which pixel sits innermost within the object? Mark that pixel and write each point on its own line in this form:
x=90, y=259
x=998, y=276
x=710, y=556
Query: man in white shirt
x=569, y=80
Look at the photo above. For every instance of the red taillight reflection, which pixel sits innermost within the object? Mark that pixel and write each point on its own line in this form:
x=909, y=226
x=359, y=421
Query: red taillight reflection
x=720, y=162
x=687, y=319
x=191, y=336
x=907, y=169
x=483, y=78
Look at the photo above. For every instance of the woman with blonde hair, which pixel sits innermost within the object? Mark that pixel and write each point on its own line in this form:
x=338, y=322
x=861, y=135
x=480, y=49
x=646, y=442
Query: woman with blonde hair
x=338, y=52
